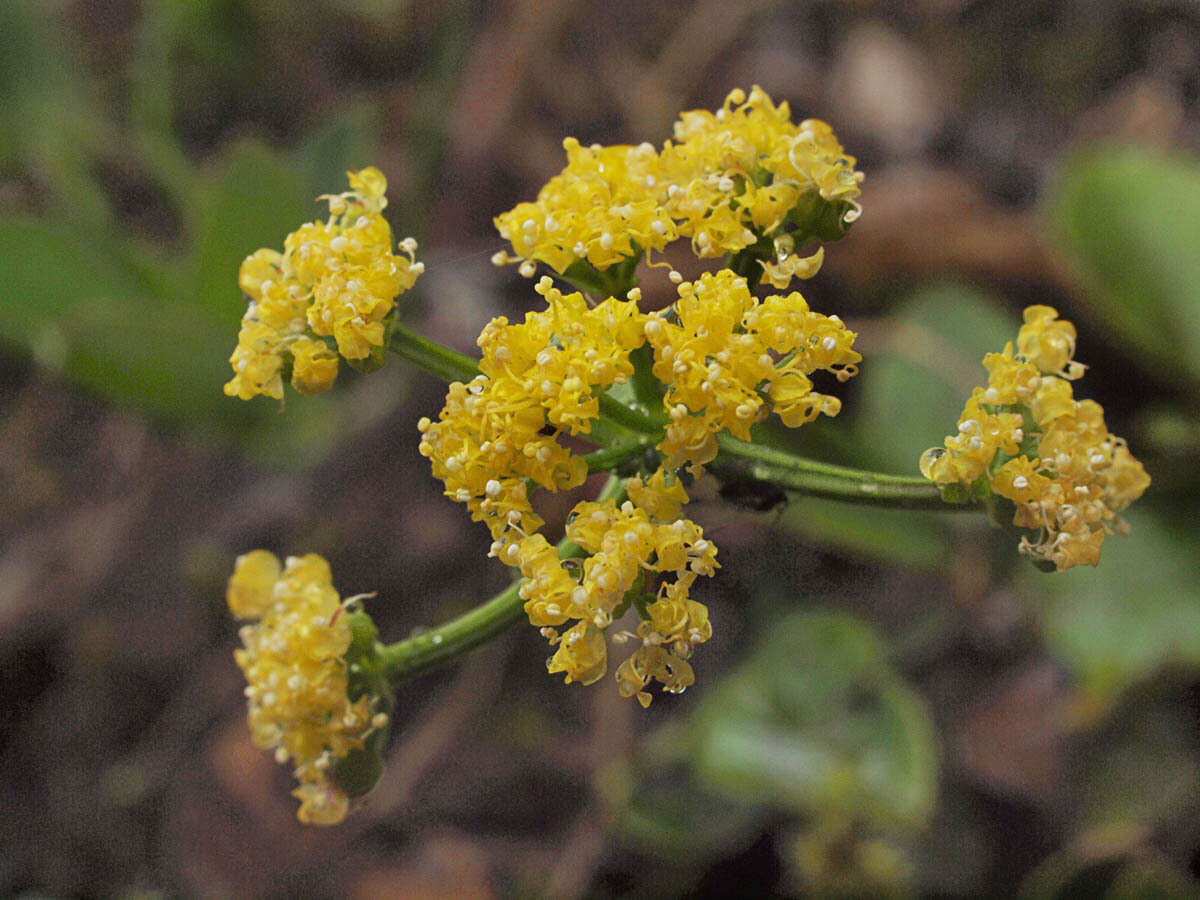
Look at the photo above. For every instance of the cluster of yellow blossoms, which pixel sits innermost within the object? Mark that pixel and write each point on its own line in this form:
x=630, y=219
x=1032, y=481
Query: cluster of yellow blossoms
x=742, y=177
x=743, y=181
x=490, y=442
x=293, y=661
x=1024, y=437
x=729, y=180
x=725, y=359
x=333, y=286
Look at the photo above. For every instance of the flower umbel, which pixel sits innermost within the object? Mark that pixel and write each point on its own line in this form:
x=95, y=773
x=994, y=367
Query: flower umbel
x=329, y=292
x=602, y=208
x=293, y=660
x=1026, y=438
x=743, y=181
x=739, y=179
x=727, y=359
x=746, y=171
x=498, y=435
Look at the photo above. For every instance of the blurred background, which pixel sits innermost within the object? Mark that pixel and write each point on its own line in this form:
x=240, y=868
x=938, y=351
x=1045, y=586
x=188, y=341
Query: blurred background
x=892, y=704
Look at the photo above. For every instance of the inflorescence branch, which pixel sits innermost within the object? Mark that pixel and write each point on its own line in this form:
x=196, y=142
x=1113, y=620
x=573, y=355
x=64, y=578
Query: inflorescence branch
x=423, y=652
x=642, y=430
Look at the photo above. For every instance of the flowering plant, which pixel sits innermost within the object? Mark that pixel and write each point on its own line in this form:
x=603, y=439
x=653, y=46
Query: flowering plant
x=660, y=397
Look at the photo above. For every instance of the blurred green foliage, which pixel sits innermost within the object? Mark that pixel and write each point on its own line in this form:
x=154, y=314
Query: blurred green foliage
x=816, y=721
x=1137, y=614
x=815, y=725
x=1130, y=219
x=141, y=306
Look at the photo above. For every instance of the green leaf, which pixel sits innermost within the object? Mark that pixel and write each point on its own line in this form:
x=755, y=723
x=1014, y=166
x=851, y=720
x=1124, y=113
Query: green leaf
x=1130, y=220
x=164, y=358
x=687, y=824
x=816, y=722
x=49, y=123
x=344, y=141
x=76, y=305
x=912, y=390
x=1137, y=613
x=47, y=270
x=1111, y=866
x=1150, y=879
x=256, y=199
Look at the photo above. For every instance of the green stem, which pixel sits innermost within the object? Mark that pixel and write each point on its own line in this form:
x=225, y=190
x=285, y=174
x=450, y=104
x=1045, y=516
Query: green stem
x=608, y=458
x=635, y=417
x=830, y=481
x=748, y=261
x=416, y=655
x=446, y=364
x=419, y=654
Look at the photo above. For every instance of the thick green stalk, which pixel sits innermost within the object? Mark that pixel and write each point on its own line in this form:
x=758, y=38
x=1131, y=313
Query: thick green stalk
x=419, y=654
x=818, y=479
x=608, y=458
x=416, y=655
x=446, y=364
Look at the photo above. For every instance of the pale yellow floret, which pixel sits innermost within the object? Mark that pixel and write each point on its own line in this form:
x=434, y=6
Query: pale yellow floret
x=336, y=279
x=297, y=704
x=731, y=359
x=1036, y=445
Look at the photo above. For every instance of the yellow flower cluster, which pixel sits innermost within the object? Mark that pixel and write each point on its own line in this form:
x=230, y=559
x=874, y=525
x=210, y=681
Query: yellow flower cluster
x=603, y=207
x=297, y=682
x=725, y=357
x=333, y=285
x=541, y=373
x=728, y=358
x=491, y=441
x=626, y=546
x=727, y=180
x=740, y=172
x=1033, y=443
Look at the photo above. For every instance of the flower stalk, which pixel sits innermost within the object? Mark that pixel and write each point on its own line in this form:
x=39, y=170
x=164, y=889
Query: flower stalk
x=428, y=650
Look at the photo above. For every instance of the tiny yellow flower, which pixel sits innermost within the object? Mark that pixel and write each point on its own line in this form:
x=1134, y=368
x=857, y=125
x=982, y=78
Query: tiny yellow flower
x=292, y=657
x=582, y=654
x=252, y=585
x=653, y=662
x=1026, y=438
x=726, y=180
x=1048, y=342
x=314, y=366
x=335, y=279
